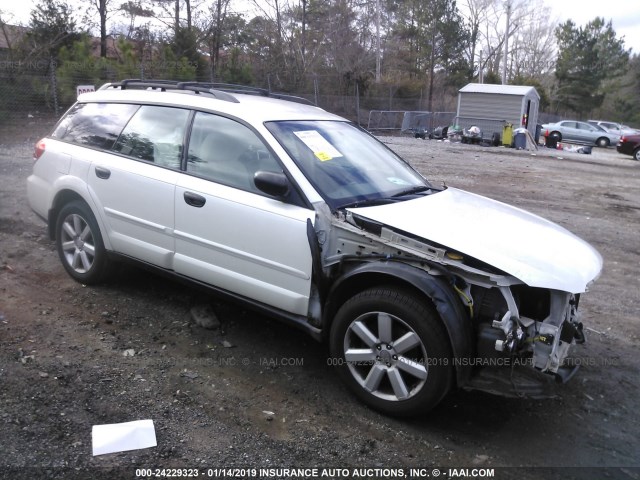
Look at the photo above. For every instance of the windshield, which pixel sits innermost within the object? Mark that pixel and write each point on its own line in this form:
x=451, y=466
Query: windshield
x=345, y=164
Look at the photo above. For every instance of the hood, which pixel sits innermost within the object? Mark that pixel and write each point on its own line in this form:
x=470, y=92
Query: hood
x=530, y=248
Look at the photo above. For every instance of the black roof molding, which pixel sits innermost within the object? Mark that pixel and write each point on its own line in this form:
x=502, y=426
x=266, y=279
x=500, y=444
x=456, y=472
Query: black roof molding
x=221, y=91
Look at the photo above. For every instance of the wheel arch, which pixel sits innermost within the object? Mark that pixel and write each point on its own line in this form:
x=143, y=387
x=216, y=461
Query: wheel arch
x=63, y=197
x=433, y=289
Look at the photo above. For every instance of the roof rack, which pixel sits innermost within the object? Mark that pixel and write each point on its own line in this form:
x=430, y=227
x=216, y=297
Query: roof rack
x=248, y=90
x=164, y=85
x=221, y=91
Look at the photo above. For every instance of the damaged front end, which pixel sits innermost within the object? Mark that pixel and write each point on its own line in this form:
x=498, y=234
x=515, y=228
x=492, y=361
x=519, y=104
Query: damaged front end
x=520, y=334
x=524, y=335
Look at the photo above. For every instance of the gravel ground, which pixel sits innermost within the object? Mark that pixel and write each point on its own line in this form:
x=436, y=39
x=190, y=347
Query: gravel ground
x=255, y=394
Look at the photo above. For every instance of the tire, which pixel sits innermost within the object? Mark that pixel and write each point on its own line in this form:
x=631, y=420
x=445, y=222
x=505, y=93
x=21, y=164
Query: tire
x=392, y=351
x=557, y=136
x=602, y=142
x=80, y=245
x=636, y=154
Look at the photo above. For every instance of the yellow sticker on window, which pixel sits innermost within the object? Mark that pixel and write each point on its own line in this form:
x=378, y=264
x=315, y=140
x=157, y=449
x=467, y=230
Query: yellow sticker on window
x=320, y=147
x=323, y=156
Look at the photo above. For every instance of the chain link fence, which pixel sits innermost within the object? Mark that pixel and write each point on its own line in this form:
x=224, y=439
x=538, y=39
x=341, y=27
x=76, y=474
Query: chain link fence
x=45, y=88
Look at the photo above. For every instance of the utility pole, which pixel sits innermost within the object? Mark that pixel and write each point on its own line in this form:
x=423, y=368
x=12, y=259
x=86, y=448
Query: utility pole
x=377, y=41
x=506, y=44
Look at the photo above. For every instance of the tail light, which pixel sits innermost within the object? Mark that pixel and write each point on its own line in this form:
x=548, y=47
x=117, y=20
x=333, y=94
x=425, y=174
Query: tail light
x=39, y=150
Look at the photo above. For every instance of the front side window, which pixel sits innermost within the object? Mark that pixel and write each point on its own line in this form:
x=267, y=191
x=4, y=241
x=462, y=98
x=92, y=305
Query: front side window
x=227, y=152
x=155, y=134
x=95, y=125
x=345, y=164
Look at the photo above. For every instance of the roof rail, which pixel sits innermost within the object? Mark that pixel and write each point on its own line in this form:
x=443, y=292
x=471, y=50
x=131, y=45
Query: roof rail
x=164, y=85
x=221, y=91
x=249, y=90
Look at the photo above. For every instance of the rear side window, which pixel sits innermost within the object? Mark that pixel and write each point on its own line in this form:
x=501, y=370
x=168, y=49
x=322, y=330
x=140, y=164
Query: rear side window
x=95, y=125
x=155, y=134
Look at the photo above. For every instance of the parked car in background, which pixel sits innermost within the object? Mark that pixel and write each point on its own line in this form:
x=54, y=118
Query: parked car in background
x=614, y=127
x=579, y=132
x=630, y=145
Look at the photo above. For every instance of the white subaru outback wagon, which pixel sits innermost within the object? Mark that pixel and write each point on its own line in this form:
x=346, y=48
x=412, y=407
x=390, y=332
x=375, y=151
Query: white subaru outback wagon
x=304, y=216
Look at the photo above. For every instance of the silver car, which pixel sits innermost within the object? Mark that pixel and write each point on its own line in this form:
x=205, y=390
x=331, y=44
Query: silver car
x=613, y=127
x=579, y=132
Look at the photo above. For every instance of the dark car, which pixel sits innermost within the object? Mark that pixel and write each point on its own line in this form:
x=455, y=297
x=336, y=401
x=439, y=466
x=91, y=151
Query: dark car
x=630, y=145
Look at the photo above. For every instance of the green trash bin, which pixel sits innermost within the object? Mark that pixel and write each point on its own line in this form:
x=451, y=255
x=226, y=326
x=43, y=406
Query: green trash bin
x=507, y=134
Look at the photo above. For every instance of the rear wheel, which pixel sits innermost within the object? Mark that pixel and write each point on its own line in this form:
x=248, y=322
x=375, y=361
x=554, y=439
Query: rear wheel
x=79, y=243
x=602, y=142
x=391, y=349
x=636, y=154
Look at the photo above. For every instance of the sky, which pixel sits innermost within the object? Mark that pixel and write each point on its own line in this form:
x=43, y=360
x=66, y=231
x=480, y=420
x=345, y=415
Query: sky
x=624, y=14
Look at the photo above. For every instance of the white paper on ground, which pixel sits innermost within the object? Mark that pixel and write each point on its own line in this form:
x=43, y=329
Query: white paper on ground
x=121, y=437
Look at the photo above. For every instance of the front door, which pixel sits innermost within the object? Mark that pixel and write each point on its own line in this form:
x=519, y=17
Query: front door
x=228, y=233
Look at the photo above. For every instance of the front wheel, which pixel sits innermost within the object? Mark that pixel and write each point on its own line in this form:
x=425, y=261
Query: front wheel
x=391, y=349
x=602, y=142
x=79, y=243
x=636, y=154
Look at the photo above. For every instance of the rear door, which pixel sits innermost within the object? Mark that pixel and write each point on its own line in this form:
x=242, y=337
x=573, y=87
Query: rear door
x=228, y=233
x=134, y=184
x=587, y=133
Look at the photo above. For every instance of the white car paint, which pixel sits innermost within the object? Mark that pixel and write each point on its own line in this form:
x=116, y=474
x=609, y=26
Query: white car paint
x=245, y=243
x=534, y=250
x=136, y=205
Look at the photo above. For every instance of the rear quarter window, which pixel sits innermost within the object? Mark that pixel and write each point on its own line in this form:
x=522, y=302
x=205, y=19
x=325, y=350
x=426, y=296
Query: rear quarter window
x=95, y=125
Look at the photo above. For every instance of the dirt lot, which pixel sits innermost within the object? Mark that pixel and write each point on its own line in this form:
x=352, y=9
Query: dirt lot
x=256, y=394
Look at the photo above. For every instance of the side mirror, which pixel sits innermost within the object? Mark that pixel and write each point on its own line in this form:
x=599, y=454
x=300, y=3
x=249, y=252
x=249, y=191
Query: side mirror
x=275, y=184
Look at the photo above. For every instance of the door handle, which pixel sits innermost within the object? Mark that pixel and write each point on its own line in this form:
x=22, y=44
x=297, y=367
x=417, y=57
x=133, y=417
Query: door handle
x=103, y=173
x=194, y=199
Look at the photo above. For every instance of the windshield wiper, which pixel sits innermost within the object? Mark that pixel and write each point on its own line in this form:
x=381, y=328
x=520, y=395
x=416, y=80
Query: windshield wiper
x=370, y=202
x=410, y=191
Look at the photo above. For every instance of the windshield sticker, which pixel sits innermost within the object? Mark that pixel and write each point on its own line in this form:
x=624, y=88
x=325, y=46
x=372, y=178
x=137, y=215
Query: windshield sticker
x=320, y=147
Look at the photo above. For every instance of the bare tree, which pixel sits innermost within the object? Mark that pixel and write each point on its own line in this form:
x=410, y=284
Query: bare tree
x=475, y=13
x=214, y=31
x=531, y=38
x=133, y=10
x=534, y=44
x=103, y=8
